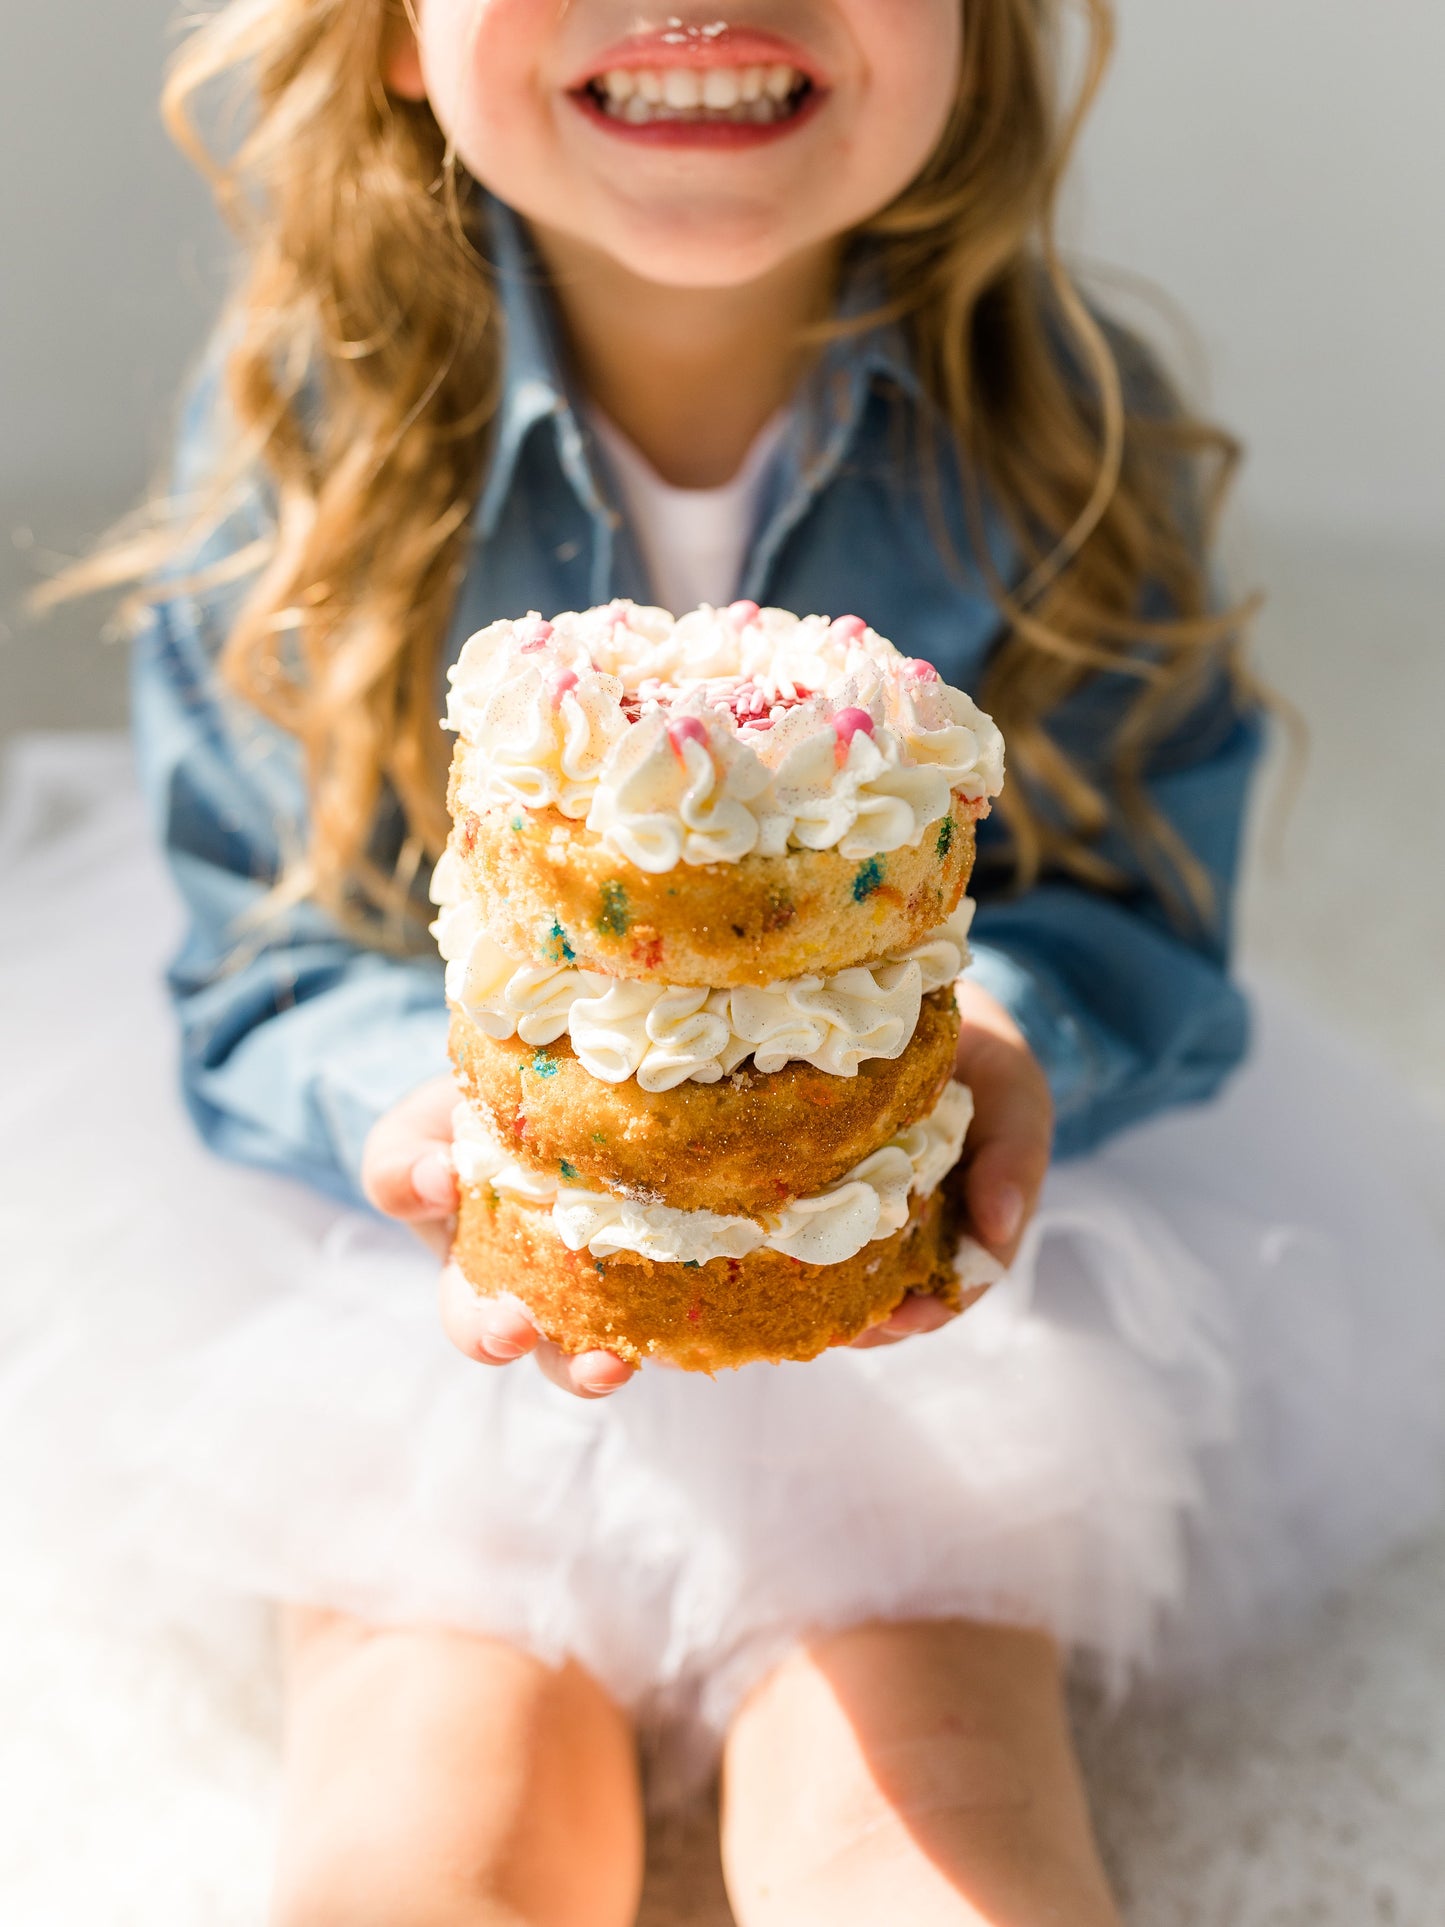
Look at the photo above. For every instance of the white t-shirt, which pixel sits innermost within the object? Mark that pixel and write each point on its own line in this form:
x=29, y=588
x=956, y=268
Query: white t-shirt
x=693, y=540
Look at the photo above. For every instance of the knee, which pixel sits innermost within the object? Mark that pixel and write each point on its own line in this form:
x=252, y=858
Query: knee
x=392, y=1884
x=335, y=1871
x=459, y=1800
x=918, y=1772
x=338, y=1870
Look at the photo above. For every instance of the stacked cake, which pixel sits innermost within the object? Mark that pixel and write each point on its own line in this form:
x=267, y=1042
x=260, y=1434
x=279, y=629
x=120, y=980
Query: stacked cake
x=702, y=913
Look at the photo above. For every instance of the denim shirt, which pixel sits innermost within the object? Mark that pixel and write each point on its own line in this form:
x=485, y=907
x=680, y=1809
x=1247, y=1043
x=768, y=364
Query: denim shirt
x=294, y=1039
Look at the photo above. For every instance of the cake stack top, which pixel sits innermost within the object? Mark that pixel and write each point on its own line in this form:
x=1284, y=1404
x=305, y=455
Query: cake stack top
x=824, y=783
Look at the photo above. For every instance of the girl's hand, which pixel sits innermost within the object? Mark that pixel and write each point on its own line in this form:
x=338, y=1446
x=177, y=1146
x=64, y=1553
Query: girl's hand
x=406, y=1172
x=1005, y=1154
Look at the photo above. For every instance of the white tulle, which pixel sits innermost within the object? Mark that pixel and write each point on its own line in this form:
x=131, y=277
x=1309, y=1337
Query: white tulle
x=1211, y=1385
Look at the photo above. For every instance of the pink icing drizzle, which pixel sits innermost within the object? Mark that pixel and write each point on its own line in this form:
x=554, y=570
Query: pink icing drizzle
x=538, y=636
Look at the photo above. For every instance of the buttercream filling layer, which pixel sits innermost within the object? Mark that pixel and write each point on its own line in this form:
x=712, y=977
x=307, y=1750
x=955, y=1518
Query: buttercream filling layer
x=870, y=1202
x=666, y=1034
x=727, y=733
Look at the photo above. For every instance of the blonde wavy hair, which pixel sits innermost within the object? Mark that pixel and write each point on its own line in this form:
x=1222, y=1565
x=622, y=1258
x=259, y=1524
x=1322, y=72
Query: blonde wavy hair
x=366, y=285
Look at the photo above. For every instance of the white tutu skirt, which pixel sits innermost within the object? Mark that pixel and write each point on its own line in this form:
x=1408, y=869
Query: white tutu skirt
x=1213, y=1384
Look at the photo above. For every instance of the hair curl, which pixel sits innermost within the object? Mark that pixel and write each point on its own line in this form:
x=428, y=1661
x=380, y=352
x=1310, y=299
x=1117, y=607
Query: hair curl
x=363, y=372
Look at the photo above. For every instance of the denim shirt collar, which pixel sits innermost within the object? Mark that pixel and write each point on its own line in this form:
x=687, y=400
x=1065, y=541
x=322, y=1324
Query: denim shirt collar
x=825, y=418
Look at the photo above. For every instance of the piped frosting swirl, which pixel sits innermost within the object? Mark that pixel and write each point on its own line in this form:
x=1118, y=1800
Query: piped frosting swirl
x=870, y=1202
x=728, y=732
x=665, y=1035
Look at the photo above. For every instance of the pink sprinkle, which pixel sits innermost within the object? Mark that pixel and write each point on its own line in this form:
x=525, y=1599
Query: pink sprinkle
x=538, y=638
x=742, y=613
x=558, y=683
x=686, y=729
x=849, y=722
x=846, y=628
x=923, y=671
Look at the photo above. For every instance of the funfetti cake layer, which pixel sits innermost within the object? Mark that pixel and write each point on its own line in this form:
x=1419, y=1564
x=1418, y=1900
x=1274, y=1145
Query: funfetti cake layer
x=734, y=798
x=663, y=1034
x=741, y=1144
x=882, y=1229
x=702, y=913
x=704, y=1317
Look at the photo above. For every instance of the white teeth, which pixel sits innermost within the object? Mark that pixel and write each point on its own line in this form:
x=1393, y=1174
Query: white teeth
x=720, y=87
x=682, y=87
x=744, y=94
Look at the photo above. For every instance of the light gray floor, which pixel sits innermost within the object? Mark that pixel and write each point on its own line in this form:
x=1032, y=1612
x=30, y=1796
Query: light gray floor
x=138, y=1776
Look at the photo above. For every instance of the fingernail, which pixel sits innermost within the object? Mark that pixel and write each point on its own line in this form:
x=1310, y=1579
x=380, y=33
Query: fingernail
x=597, y=1388
x=501, y=1351
x=1006, y=1212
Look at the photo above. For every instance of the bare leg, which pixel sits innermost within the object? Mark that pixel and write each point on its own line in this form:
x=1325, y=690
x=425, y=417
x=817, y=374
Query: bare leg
x=918, y=1773
x=434, y=1778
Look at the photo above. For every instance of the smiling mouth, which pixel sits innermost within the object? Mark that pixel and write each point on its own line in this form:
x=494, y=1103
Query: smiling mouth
x=712, y=96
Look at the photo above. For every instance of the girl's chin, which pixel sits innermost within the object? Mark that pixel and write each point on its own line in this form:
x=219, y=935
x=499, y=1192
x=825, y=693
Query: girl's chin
x=701, y=265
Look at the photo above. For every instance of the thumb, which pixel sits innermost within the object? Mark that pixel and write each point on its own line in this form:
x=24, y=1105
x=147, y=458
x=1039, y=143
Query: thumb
x=406, y=1164
x=1000, y=1187
x=1007, y=1155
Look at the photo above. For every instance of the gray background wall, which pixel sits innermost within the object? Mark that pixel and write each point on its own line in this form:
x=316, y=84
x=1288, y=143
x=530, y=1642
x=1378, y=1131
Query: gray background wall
x=104, y=233
x=1278, y=166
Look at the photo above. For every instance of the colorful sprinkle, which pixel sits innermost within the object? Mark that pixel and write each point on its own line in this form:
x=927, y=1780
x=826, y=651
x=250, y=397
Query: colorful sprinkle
x=692, y=1264
x=686, y=729
x=945, y=838
x=517, y=824
x=543, y=1064
x=558, y=948
x=599, y=1137
x=539, y=634
x=922, y=671
x=848, y=628
x=616, y=917
x=646, y=951
x=569, y=1171
x=558, y=683
x=780, y=911
x=743, y=613
x=868, y=879
x=847, y=724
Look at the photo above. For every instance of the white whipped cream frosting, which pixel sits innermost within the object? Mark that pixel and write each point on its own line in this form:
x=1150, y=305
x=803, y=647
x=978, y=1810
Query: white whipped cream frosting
x=727, y=732
x=867, y=1203
x=665, y=1035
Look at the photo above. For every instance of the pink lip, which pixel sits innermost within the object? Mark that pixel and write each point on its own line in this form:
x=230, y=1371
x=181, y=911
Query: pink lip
x=732, y=47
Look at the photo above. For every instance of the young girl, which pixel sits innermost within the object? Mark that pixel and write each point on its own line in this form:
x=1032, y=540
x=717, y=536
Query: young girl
x=549, y=301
